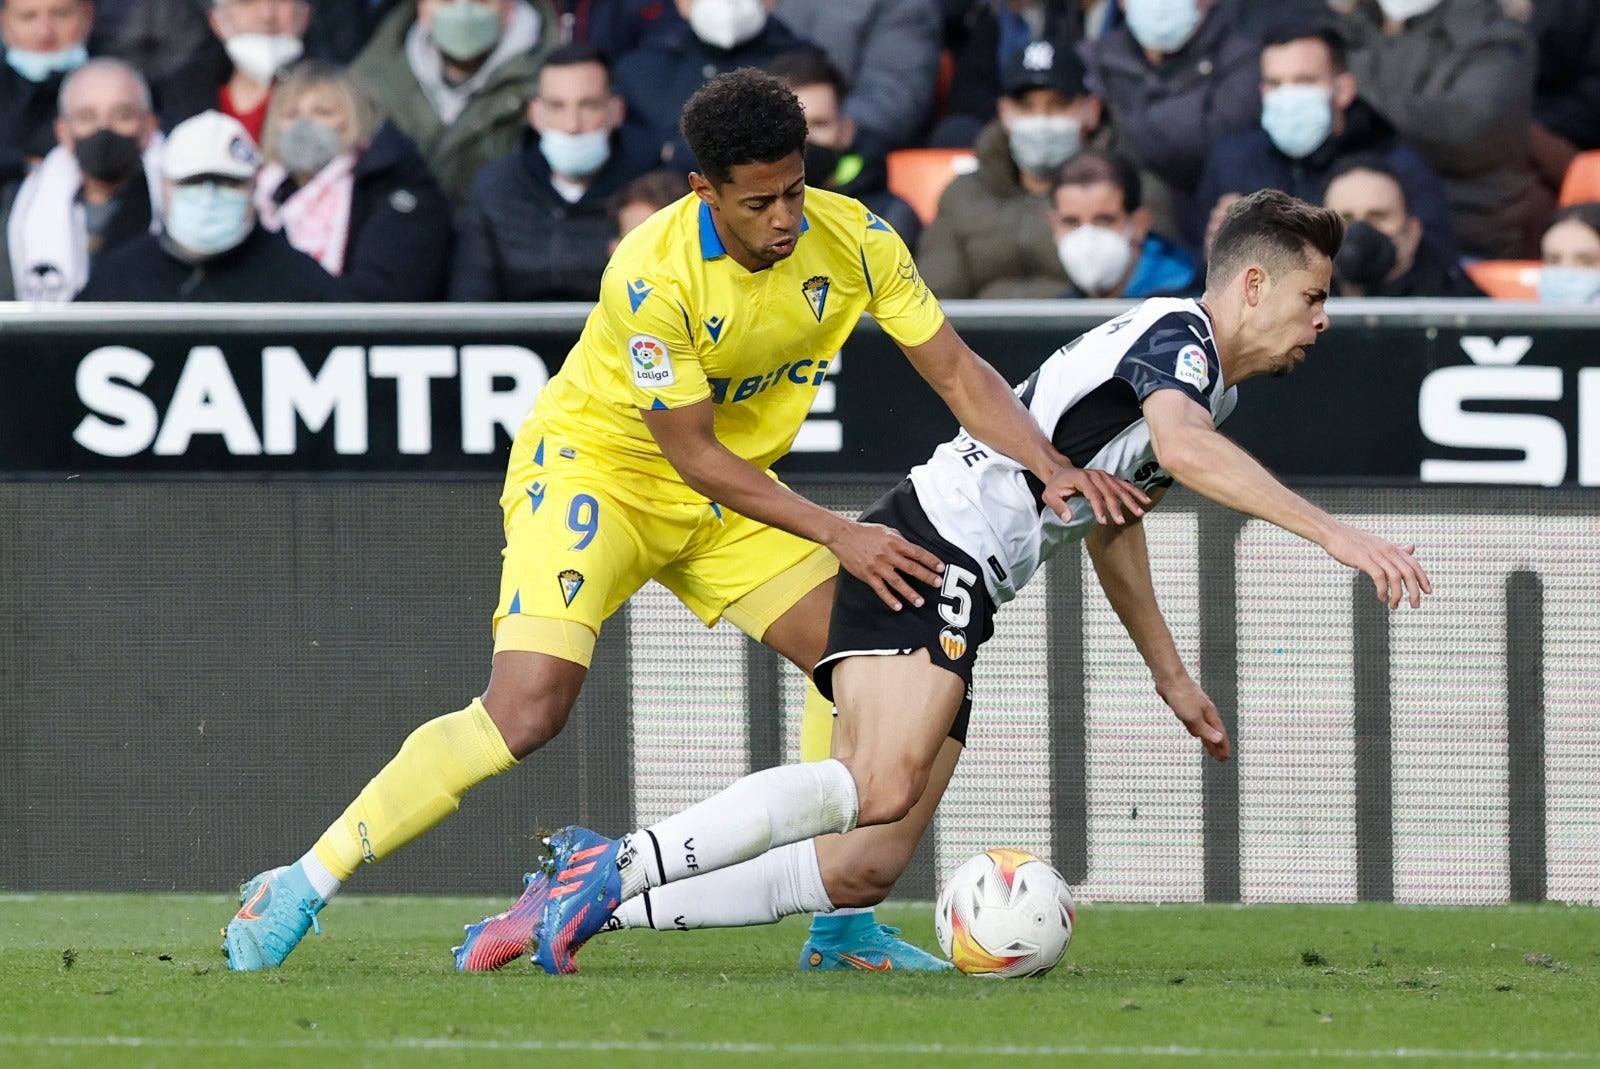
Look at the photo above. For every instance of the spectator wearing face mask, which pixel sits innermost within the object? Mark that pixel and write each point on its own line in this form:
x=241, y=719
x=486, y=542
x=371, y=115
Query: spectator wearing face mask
x=1104, y=237
x=1570, y=250
x=1387, y=251
x=537, y=226
x=258, y=38
x=95, y=191
x=349, y=190
x=1178, y=78
x=45, y=40
x=455, y=77
x=712, y=37
x=992, y=235
x=211, y=248
x=1312, y=118
x=887, y=52
x=836, y=156
x=1455, y=79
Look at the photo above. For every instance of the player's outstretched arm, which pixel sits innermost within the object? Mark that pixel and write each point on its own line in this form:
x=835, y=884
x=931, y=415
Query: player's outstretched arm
x=1122, y=561
x=985, y=405
x=1195, y=453
x=877, y=555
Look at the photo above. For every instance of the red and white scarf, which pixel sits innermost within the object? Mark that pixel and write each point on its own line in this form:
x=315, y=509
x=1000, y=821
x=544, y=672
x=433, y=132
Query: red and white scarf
x=316, y=217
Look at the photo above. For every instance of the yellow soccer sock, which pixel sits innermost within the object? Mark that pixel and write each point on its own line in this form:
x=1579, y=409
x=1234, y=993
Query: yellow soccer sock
x=816, y=727
x=424, y=783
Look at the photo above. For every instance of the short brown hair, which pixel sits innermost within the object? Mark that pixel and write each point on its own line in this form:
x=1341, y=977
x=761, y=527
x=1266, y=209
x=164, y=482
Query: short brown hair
x=1273, y=230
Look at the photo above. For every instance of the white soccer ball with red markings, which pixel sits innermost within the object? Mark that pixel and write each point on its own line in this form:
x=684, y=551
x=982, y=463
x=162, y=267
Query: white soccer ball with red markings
x=1005, y=913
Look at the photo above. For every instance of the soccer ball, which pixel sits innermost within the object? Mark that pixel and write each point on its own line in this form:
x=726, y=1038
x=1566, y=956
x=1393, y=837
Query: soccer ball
x=1005, y=913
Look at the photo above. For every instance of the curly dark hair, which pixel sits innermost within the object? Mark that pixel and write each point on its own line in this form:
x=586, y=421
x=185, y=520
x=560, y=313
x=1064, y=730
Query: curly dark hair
x=744, y=116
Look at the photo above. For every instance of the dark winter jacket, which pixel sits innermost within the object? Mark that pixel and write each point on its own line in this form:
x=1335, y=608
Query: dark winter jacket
x=1250, y=161
x=400, y=226
x=658, y=77
x=264, y=268
x=27, y=117
x=520, y=240
x=1566, y=97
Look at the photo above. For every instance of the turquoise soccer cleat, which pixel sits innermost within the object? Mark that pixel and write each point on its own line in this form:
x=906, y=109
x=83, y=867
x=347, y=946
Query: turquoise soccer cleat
x=497, y=941
x=873, y=948
x=277, y=908
x=585, y=890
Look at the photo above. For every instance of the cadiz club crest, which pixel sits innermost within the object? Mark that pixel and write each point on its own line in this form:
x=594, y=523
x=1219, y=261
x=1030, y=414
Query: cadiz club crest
x=953, y=641
x=816, y=290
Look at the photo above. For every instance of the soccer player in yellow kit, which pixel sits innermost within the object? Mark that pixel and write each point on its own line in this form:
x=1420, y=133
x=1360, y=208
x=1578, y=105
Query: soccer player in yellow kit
x=647, y=456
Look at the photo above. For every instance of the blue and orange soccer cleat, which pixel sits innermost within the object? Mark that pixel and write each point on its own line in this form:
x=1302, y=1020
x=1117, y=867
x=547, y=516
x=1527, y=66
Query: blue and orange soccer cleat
x=585, y=890
x=497, y=941
x=871, y=947
x=277, y=908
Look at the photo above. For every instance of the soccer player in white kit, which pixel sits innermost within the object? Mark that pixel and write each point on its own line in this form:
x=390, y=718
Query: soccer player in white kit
x=1140, y=396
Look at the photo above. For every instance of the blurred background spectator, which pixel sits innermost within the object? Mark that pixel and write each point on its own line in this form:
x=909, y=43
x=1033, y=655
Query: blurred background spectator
x=350, y=191
x=836, y=157
x=1178, y=77
x=45, y=40
x=1103, y=234
x=984, y=36
x=1566, y=92
x=888, y=54
x=992, y=236
x=342, y=28
x=455, y=78
x=1455, y=78
x=642, y=198
x=258, y=39
x=161, y=37
x=712, y=38
x=537, y=225
x=95, y=191
x=1312, y=117
x=1570, y=250
x=211, y=248
x=615, y=27
x=1387, y=250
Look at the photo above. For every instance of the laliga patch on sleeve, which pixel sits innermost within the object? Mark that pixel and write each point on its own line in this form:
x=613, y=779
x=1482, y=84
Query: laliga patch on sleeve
x=651, y=362
x=1192, y=367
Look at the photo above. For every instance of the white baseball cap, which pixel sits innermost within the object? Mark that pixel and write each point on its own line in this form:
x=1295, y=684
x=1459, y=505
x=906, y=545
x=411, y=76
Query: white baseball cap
x=210, y=143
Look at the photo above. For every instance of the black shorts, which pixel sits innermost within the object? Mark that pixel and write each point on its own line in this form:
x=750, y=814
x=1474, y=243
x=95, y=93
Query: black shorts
x=951, y=624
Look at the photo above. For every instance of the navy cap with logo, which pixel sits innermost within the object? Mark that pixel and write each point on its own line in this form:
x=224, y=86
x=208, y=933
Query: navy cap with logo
x=1046, y=65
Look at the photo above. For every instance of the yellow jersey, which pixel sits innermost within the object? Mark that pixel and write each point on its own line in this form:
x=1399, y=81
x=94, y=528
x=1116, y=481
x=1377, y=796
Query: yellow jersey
x=680, y=321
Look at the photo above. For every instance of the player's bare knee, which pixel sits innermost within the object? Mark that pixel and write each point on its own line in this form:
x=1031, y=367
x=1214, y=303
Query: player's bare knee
x=527, y=719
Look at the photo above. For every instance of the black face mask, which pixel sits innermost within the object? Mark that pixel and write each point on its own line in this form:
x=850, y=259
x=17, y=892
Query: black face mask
x=821, y=162
x=107, y=156
x=1366, y=257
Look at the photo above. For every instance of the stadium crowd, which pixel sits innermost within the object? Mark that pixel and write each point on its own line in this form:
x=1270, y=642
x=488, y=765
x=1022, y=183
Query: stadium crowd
x=494, y=150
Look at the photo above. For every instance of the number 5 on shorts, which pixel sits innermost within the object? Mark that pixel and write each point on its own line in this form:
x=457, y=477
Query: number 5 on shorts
x=955, y=599
x=583, y=518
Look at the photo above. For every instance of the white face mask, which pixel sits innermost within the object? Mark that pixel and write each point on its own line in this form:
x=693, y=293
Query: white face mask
x=1041, y=143
x=1401, y=10
x=1095, y=258
x=575, y=155
x=260, y=56
x=727, y=24
x=1162, y=26
x=1298, y=118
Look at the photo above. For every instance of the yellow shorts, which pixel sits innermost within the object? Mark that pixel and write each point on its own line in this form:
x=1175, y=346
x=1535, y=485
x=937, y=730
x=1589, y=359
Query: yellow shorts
x=580, y=542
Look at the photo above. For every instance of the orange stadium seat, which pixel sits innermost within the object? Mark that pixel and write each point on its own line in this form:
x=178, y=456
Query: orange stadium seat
x=1582, y=181
x=918, y=175
x=1506, y=280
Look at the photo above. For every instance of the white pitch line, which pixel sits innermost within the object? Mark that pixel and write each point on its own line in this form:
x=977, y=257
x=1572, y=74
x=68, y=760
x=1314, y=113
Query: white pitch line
x=942, y=1050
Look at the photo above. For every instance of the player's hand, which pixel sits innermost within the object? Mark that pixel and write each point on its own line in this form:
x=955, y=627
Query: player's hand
x=1394, y=570
x=1111, y=498
x=882, y=558
x=1198, y=713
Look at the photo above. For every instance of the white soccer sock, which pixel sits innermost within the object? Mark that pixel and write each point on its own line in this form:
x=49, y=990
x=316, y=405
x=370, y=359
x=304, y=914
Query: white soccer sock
x=781, y=882
x=325, y=883
x=765, y=809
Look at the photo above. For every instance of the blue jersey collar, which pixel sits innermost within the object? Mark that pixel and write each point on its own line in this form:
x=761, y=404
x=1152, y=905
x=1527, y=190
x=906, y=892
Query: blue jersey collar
x=711, y=244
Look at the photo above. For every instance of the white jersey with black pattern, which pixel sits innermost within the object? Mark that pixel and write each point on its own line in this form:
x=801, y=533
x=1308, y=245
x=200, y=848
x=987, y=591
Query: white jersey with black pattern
x=1088, y=399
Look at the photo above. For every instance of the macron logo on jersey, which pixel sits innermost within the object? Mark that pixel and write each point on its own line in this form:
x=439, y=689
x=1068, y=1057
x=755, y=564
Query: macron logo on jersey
x=651, y=361
x=638, y=290
x=1191, y=367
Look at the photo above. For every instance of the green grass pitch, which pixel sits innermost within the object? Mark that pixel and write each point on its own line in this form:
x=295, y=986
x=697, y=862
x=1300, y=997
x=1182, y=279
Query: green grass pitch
x=125, y=980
